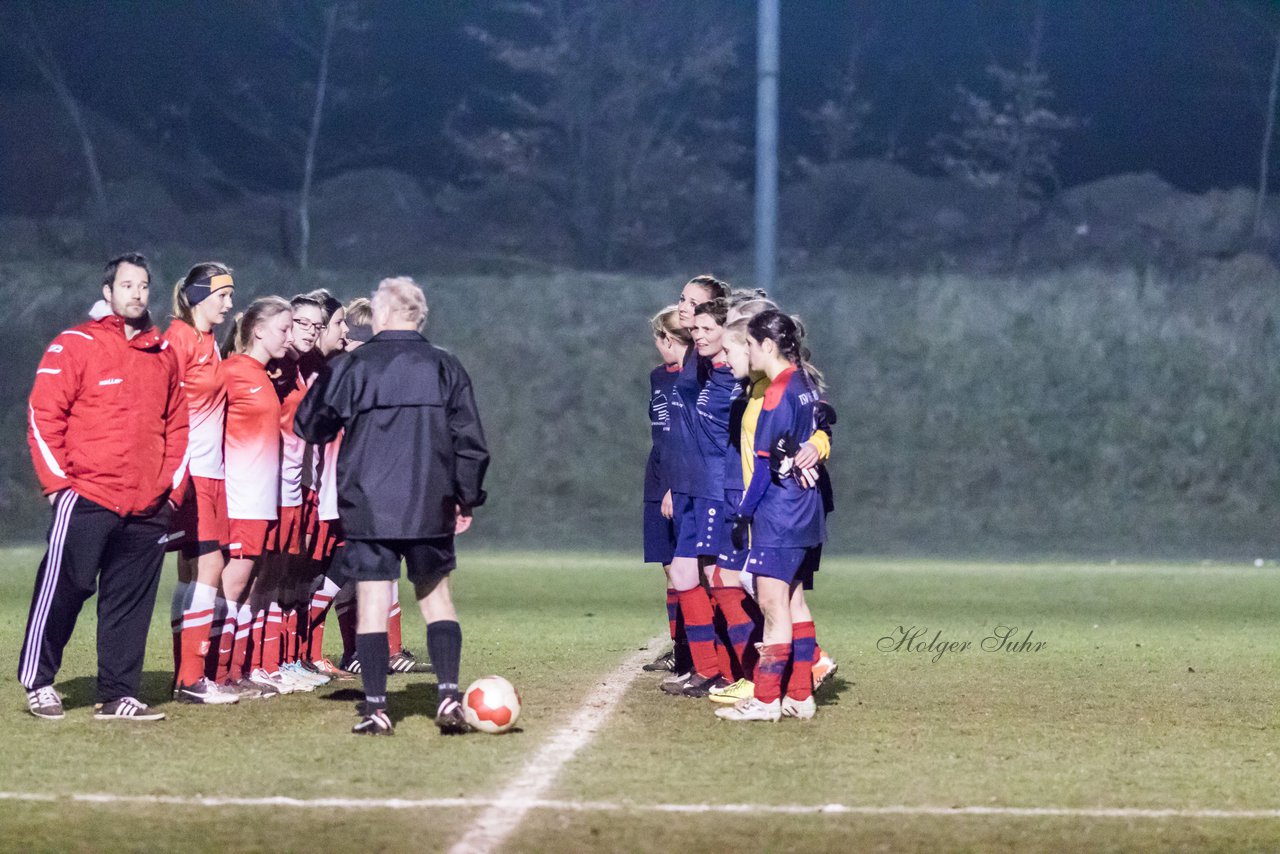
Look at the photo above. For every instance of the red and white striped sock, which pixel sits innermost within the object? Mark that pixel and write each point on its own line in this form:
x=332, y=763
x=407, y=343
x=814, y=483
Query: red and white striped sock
x=393, y=629
x=317, y=610
x=197, y=621
x=241, y=650
x=272, y=632
x=224, y=621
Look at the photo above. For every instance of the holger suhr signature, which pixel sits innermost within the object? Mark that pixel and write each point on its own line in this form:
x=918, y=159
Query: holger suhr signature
x=916, y=639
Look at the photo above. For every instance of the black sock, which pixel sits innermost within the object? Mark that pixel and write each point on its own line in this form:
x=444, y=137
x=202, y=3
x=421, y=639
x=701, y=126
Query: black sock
x=444, y=645
x=684, y=660
x=374, y=657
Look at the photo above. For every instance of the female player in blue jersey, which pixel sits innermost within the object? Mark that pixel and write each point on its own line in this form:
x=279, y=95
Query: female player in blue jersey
x=672, y=342
x=809, y=460
x=681, y=462
x=720, y=393
x=785, y=518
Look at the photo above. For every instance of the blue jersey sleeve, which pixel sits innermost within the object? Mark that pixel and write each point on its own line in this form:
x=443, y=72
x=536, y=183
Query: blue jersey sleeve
x=770, y=429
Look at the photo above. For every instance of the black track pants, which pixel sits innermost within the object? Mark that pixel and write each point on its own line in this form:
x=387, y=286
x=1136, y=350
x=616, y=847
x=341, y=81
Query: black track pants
x=90, y=546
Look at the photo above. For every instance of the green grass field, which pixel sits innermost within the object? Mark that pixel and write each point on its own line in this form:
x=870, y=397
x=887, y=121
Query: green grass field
x=1157, y=689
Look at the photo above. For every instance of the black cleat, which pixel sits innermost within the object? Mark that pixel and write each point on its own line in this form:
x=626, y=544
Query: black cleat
x=665, y=663
x=450, y=717
x=374, y=723
x=406, y=662
x=699, y=687
x=674, y=683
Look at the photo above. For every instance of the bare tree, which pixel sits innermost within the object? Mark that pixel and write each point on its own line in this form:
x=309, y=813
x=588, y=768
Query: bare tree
x=840, y=121
x=1268, y=134
x=283, y=113
x=614, y=113
x=37, y=49
x=1246, y=43
x=313, y=137
x=1008, y=143
x=1268, y=27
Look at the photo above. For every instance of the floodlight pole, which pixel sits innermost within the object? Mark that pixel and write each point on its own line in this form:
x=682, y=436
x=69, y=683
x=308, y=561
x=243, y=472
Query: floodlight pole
x=766, y=143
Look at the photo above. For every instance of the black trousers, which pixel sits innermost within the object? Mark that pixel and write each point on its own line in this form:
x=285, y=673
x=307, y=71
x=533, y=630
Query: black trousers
x=90, y=546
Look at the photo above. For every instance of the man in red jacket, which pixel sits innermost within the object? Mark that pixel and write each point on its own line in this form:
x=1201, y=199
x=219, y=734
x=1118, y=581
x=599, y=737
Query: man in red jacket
x=107, y=426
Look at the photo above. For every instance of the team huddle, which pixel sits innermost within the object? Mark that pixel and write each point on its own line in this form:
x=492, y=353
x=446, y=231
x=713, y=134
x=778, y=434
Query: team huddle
x=230, y=455
x=296, y=466
x=736, y=498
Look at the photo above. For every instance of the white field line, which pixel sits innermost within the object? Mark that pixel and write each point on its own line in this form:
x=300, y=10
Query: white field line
x=627, y=807
x=502, y=817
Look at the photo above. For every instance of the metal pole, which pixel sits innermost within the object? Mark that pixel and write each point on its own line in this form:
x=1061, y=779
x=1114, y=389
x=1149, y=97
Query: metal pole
x=767, y=144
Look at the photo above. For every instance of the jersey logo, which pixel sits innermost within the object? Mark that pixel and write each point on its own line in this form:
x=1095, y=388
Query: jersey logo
x=255, y=389
x=202, y=358
x=111, y=381
x=658, y=409
x=55, y=348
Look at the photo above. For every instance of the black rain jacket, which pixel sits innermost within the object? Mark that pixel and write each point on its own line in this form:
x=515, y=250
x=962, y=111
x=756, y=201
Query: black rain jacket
x=413, y=446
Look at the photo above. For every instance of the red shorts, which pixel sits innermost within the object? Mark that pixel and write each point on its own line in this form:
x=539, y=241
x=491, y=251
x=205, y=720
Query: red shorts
x=200, y=525
x=249, y=537
x=287, y=536
x=327, y=538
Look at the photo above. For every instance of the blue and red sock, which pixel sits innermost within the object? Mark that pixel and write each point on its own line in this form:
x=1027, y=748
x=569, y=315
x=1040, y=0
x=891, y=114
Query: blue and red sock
x=739, y=626
x=773, y=661
x=695, y=605
x=803, y=646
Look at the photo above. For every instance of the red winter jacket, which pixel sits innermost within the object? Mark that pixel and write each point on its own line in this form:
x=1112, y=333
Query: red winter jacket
x=108, y=417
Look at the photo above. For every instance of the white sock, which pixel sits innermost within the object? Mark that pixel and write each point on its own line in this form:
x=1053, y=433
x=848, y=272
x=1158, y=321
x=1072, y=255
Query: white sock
x=202, y=597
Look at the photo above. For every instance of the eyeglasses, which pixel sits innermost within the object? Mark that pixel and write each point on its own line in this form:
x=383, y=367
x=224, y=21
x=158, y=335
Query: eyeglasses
x=305, y=325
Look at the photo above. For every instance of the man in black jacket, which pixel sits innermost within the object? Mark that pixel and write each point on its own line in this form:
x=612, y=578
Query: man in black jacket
x=410, y=471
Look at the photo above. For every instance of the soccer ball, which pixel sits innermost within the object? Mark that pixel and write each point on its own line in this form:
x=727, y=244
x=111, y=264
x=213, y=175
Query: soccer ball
x=491, y=704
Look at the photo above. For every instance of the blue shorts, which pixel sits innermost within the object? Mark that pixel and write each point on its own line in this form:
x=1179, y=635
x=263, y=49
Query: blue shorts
x=697, y=520
x=659, y=535
x=784, y=564
x=727, y=556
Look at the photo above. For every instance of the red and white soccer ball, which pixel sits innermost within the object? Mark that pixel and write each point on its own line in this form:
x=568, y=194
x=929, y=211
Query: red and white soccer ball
x=491, y=704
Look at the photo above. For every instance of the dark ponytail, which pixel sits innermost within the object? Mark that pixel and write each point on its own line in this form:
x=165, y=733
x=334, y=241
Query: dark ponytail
x=787, y=333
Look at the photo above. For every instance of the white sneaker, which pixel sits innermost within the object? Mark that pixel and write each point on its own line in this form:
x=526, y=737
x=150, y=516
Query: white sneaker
x=300, y=673
x=298, y=682
x=273, y=681
x=205, y=692
x=312, y=674
x=751, y=709
x=801, y=709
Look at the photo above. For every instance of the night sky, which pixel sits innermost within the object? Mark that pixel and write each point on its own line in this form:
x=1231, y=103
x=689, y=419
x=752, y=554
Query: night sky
x=1170, y=86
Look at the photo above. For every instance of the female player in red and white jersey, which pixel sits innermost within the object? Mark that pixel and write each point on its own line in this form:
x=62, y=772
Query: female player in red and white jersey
x=324, y=528
x=275, y=604
x=201, y=300
x=252, y=452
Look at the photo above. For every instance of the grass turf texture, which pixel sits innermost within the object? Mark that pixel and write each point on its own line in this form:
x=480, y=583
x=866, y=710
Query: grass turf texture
x=1156, y=689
